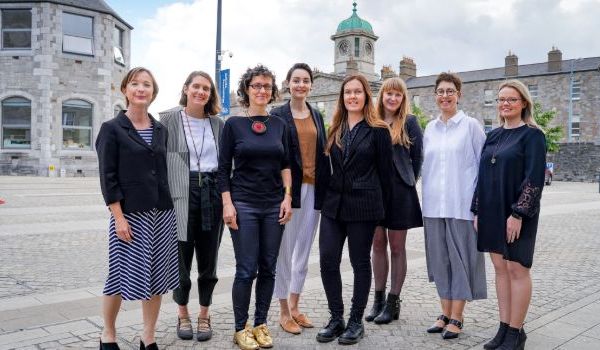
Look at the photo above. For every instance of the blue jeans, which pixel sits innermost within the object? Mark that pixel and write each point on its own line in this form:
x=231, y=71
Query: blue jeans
x=256, y=247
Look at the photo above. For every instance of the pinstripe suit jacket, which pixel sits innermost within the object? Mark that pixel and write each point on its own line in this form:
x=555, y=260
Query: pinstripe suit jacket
x=178, y=163
x=359, y=187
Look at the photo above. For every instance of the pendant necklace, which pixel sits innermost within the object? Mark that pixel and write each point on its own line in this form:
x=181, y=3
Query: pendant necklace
x=258, y=127
x=186, y=117
x=499, y=148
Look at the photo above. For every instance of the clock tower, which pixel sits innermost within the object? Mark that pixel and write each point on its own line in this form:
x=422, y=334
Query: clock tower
x=354, y=43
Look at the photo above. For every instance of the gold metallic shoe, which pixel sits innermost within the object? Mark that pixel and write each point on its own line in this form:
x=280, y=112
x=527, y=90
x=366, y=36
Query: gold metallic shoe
x=263, y=336
x=245, y=339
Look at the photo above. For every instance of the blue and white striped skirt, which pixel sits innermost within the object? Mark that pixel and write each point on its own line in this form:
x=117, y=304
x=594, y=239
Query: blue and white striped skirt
x=149, y=265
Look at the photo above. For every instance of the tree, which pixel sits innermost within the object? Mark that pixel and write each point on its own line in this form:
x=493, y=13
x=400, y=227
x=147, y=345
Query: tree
x=553, y=133
x=421, y=117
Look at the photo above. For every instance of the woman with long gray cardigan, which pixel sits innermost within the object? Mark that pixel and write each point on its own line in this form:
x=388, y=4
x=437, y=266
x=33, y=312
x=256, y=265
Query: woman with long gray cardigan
x=192, y=159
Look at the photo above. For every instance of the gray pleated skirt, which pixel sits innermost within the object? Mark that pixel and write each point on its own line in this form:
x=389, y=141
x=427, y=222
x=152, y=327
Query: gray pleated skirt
x=453, y=262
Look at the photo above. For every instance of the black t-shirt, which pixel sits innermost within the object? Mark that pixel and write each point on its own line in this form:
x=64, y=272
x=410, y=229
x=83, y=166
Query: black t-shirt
x=258, y=160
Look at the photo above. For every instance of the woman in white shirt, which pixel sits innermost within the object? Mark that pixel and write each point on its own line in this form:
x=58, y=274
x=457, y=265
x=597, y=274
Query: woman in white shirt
x=452, y=146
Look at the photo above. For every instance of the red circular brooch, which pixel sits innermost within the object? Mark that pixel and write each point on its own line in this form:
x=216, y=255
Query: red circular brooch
x=259, y=127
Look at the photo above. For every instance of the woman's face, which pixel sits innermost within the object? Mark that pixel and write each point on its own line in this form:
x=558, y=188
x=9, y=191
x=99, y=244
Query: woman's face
x=446, y=97
x=260, y=90
x=197, y=92
x=139, y=90
x=354, y=96
x=392, y=99
x=300, y=84
x=510, y=103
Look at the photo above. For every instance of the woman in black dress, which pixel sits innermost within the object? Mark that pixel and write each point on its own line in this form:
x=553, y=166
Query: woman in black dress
x=360, y=149
x=404, y=211
x=507, y=203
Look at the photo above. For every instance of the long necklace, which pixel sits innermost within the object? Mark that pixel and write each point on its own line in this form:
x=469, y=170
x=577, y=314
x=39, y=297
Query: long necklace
x=195, y=149
x=499, y=147
x=258, y=127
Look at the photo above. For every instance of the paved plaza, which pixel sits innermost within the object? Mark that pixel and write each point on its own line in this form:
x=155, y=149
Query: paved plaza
x=53, y=259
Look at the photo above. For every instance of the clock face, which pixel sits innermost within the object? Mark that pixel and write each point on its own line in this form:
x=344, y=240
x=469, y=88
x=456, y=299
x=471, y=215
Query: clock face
x=369, y=48
x=343, y=47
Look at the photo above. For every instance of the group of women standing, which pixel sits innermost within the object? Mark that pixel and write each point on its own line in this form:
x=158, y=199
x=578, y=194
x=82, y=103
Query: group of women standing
x=271, y=176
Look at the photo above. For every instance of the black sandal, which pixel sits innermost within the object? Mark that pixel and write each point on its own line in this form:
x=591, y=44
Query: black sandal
x=437, y=329
x=449, y=334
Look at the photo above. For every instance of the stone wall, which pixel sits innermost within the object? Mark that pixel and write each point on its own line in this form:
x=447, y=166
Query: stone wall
x=576, y=162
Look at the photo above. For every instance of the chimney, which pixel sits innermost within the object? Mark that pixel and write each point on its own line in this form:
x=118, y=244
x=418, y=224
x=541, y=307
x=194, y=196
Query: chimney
x=554, y=60
x=511, y=65
x=408, y=68
x=351, y=67
x=387, y=72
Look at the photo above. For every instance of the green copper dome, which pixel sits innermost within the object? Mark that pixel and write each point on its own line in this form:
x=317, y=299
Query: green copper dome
x=354, y=23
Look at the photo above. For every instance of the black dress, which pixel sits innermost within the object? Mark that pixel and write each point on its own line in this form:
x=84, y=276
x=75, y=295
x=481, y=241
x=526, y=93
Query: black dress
x=511, y=178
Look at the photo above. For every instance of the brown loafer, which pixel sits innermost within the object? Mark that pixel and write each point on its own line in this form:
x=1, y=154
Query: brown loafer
x=303, y=321
x=291, y=326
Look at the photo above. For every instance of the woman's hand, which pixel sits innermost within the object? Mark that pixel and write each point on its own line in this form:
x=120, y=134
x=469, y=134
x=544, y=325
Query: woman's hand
x=513, y=229
x=230, y=216
x=285, y=211
x=123, y=229
x=475, y=223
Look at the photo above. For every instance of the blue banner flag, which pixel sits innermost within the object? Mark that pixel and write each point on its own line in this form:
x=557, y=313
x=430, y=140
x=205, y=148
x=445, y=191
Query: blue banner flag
x=224, y=91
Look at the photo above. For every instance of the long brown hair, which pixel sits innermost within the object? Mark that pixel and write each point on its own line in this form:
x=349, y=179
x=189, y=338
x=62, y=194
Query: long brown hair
x=398, y=131
x=527, y=112
x=213, y=106
x=340, y=116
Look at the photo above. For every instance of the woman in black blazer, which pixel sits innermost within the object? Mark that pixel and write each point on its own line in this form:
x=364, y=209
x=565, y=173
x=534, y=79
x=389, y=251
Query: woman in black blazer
x=143, y=261
x=404, y=211
x=360, y=149
x=310, y=172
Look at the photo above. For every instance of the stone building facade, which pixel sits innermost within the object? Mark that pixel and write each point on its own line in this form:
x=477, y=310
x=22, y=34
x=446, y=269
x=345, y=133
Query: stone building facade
x=61, y=64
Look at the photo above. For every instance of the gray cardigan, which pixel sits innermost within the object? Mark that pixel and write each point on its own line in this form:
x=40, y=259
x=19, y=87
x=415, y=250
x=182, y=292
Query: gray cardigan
x=178, y=163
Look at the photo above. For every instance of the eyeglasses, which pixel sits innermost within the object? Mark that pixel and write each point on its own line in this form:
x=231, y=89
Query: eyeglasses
x=510, y=100
x=259, y=87
x=448, y=92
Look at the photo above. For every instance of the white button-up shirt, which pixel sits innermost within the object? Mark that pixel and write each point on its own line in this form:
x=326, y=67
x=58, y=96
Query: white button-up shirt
x=451, y=153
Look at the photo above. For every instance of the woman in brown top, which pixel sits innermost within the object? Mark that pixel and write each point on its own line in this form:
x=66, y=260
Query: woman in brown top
x=310, y=173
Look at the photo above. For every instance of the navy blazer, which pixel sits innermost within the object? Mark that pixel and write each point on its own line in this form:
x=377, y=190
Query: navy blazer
x=359, y=187
x=131, y=171
x=408, y=161
x=322, y=169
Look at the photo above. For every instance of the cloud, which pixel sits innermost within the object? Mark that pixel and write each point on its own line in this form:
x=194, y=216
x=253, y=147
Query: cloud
x=457, y=35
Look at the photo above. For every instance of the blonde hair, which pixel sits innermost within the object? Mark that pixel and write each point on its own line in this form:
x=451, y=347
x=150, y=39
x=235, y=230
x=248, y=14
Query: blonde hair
x=527, y=112
x=397, y=129
x=340, y=116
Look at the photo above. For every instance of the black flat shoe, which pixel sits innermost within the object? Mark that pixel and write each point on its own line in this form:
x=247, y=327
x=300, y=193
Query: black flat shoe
x=353, y=333
x=152, y=346
x=449, y=334
x=438, y=329
x=109, y=346
x=334, y=328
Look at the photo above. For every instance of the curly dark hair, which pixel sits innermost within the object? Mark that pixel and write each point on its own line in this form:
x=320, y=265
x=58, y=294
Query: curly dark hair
x=245, y=80
x=448, y=77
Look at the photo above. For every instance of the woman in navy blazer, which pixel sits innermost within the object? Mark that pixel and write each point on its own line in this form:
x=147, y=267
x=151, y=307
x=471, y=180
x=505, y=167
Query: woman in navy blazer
x=360, y=148
x=404, y=212
x=143, y=261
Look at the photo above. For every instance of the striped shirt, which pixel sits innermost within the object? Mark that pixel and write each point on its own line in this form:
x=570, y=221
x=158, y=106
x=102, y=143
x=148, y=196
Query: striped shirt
x=146, y=134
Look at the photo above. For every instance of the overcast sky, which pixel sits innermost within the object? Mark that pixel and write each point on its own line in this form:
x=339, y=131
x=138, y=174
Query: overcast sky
x=173, y=38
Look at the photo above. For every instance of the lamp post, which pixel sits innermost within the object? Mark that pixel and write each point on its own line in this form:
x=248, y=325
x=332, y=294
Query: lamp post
x=218, y=48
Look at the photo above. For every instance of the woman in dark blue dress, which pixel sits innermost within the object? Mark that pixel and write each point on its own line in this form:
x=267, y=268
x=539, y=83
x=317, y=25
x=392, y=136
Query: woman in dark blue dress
x=507, y=203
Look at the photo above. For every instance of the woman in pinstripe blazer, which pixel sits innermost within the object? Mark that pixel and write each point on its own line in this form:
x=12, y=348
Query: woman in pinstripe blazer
x=360, y=148
x=192, y=159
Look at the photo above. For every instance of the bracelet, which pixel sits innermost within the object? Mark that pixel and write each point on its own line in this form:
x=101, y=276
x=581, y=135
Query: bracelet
x=287, y=190
x=516, y=216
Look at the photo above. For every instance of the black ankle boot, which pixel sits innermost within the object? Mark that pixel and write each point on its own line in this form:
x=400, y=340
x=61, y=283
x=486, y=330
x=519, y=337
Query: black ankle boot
x=354, y=331
x=391, y=310
x=332, y=330
x=514, y=339
x=498, y=338
x=378, y=305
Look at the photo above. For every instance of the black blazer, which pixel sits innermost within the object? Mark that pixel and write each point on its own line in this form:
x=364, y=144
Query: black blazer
x=408, y=161
x=131, y=171
x=359, y=188
x=322, y=170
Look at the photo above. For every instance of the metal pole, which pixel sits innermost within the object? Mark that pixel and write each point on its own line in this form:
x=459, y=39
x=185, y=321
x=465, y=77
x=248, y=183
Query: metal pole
x=218, y=49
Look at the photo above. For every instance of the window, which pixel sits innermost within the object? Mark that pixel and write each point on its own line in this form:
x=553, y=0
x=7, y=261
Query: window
x=576, y=89
x=16, y=123
x=16, y=29
x=575, y=125
x=488, y=97
x=488, y=125
x=77, y=124
x=416, y=100
x=533, y=90
x=78, y=34
x=118, y=34
x=356, y=47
